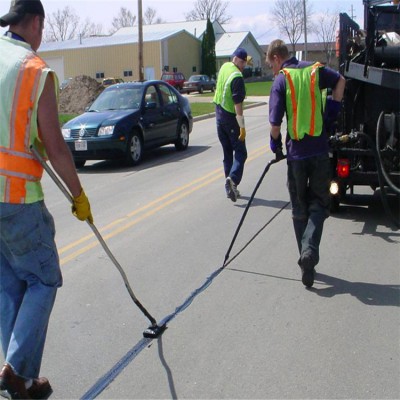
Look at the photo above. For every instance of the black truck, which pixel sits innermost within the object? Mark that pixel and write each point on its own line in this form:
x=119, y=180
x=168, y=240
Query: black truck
x=365, y=147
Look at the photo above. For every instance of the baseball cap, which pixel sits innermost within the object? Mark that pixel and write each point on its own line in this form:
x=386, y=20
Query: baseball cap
x=19, y=8
x=240, y=53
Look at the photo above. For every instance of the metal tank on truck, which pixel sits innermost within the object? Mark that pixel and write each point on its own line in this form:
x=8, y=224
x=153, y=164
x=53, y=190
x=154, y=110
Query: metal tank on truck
x=365, y=148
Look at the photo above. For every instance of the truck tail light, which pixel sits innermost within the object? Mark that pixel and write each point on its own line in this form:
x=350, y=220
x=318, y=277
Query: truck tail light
x=343, y=168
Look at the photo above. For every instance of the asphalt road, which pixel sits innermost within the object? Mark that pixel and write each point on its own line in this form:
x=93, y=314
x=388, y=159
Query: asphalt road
x=255, y=332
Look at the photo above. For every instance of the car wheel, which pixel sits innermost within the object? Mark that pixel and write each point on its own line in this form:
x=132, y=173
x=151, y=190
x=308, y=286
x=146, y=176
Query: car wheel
x=201, y=89
x=213, y=89
x=79, y=163
x=134, y=149
x=182, y=142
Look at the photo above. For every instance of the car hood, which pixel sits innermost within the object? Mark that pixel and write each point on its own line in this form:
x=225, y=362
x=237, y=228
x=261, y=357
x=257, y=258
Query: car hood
x=101, y=118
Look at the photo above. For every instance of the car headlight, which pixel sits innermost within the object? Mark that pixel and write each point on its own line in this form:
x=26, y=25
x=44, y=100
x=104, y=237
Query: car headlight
x=106, y=130
x=66, y=133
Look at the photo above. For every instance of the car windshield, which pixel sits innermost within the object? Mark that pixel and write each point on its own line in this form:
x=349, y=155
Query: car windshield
x=118, y=99
x=195, y=78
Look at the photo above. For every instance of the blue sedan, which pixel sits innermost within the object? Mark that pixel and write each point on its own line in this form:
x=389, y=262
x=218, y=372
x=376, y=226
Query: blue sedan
x=127, y=119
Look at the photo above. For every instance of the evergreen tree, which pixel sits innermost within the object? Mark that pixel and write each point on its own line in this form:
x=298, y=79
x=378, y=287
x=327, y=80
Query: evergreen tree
x=208, y=59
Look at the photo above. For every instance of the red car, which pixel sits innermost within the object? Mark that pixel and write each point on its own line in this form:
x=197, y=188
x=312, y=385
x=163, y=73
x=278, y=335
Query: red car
x=175, y=79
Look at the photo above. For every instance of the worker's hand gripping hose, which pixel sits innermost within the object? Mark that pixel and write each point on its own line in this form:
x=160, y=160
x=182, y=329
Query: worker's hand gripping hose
x=152, y=331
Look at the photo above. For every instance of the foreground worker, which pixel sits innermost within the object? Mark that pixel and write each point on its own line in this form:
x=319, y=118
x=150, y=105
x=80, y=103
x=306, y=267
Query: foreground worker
x=29, y=266
x=229, y=96
x=297, y=91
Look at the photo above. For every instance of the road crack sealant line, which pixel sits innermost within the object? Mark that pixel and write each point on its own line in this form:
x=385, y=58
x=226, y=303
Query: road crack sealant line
x=108, y=378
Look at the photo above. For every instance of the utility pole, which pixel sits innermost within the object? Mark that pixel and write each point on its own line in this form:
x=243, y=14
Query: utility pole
x=140, y=26
x=305, y=30
x=352, y=12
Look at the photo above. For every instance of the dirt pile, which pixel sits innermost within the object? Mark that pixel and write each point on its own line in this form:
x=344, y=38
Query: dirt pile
x=78, y=94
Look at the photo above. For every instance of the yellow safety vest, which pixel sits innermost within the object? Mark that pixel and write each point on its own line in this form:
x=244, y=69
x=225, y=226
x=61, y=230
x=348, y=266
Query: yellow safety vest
x=22, y=77
x=223, y=93
x=304, y=103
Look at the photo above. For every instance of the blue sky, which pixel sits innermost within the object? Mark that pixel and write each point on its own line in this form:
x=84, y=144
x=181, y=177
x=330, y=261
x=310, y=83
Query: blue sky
x=247, y=15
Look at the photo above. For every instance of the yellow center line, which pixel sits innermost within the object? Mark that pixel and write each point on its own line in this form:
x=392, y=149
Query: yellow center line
x=154, y=207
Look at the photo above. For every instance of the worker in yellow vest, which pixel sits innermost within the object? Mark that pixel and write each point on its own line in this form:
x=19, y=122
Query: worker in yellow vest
x=229, y=96
x=298, y=91
x=29, y=265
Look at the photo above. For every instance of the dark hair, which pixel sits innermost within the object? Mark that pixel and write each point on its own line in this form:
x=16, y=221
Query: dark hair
x=26, y=20
x=277, y=48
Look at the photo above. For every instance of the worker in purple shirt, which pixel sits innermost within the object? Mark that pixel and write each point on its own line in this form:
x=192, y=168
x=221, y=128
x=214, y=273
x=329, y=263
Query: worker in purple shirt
x=229, y=96
x=297, y=91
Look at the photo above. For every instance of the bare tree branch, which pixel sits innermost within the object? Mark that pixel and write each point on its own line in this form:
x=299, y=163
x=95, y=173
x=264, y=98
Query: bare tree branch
x=289, y=15
x=123, y=19
x=214, y=10
x=61, y=25
x=89, y=28
x=326, y=32
x=149, y=17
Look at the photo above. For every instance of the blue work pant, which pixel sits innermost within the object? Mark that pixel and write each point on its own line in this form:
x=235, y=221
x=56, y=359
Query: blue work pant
x=308, y=184
x=29, y=277
x=235, y=152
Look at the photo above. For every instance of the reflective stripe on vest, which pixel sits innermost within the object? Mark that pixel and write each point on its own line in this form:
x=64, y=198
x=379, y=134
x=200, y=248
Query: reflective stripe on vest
x=19, y=169
x=223, y=93
x=305, y=115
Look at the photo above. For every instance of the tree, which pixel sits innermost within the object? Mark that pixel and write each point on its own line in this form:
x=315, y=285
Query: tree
x=89, y=28
x=214, y=10
x=326, y=32
x=65, y=25
x=61, y=25
x=149, y=17
x=123, y=19
x=289, y=15
x=208, y=58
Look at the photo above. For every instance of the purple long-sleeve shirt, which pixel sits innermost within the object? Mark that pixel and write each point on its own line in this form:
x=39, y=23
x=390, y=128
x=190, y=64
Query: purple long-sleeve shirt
x=309, y=146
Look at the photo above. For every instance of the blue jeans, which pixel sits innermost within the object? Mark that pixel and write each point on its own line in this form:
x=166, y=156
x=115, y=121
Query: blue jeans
x=29, y=277
x=235, y=152
x=308, y=184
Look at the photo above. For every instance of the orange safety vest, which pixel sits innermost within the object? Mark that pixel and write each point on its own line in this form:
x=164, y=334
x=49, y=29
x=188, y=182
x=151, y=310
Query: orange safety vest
x=22, y=77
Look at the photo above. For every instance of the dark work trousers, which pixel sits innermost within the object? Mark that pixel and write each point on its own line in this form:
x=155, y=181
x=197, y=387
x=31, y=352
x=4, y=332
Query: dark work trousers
x=308, y=184
x=235, y=152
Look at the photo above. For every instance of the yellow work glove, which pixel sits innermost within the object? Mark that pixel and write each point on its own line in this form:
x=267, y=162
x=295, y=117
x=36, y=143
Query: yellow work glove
x=240, y=121
x=242, y=135
x=81, y=208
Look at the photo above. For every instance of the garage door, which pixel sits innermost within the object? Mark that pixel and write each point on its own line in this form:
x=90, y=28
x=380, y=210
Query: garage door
x=56, y=64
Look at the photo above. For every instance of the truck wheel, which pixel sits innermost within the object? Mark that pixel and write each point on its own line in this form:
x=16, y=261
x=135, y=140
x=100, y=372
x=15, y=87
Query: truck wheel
x=79, y=163
x=335, y=204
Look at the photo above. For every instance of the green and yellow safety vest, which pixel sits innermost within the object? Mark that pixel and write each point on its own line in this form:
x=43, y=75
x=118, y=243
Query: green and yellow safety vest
x=223, y=94
x=304, y=104
x=22, y=77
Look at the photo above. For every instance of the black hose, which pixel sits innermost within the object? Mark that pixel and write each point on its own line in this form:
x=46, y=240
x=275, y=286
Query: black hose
x=279, y=156
x=381, y=180
x=384, y=173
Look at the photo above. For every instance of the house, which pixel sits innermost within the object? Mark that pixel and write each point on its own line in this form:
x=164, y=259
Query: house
x=169, y=46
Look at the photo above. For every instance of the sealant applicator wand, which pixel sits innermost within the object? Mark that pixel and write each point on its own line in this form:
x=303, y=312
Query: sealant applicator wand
x=154, y=330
